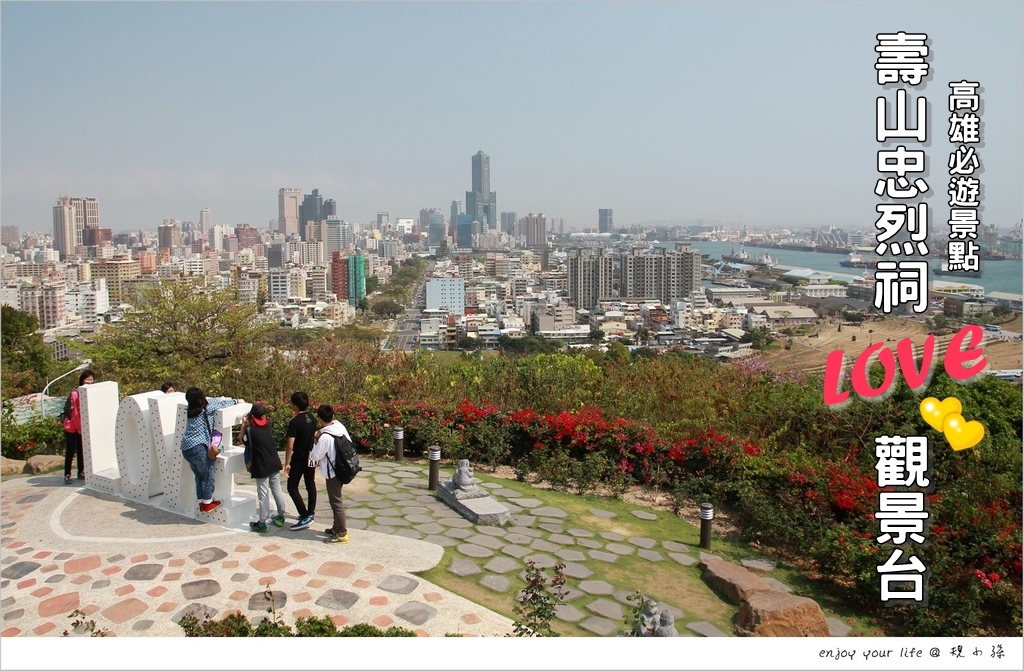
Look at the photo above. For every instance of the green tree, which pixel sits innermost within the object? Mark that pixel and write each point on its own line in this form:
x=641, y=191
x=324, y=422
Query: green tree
x=596, y=335
x=200, y=337
x=372, y=282
x=27, y=362
x=387, y=308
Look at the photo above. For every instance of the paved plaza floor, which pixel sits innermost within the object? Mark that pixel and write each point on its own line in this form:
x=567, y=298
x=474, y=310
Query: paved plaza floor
x=136, y=570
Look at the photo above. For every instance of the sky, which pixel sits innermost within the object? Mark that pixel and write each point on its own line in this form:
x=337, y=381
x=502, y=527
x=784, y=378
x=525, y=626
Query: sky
x=753, y=113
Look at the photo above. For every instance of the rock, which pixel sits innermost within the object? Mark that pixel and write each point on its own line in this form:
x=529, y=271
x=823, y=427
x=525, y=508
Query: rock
x=43, y=463
x=11, y=466
x=735, y=582
x=781, y=614
x=837, y=627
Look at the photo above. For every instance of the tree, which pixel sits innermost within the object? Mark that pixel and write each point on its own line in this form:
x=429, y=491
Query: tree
x=596, y=335
x=387, y=308
x=200, y=337
x=759, y=338
x=27, y=362
x=372, y=282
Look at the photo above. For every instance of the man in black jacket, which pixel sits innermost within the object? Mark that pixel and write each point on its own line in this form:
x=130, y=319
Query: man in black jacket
x=263, y=464
x=298, y=445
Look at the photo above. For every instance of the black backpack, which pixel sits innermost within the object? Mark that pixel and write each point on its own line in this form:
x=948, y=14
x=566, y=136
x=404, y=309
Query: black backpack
x=346, y=460
x=66, y=414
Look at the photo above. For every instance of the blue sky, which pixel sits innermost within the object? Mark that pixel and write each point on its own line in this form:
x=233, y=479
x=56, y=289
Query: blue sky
x=760, y=113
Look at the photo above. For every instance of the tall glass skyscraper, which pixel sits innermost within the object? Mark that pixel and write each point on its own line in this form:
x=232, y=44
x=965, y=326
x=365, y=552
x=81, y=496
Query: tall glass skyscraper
x=481, y=202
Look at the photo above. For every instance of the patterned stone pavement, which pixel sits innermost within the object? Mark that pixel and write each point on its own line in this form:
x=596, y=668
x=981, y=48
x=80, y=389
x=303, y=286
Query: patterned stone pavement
x=66, y=558
x=136, y=570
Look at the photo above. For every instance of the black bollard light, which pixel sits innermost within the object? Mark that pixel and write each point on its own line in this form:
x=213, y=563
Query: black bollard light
x=707, y=513
x=399, y=443
x=434, y=454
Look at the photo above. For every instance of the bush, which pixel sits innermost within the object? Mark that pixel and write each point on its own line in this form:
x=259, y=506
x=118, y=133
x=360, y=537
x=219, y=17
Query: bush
x=38, y=435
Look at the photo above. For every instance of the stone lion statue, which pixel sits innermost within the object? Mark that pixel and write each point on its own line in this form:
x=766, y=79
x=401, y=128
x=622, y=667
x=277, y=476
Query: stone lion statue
x=463, y=478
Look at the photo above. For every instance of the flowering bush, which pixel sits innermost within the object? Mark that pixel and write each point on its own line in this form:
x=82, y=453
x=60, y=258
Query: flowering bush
x=38, y=435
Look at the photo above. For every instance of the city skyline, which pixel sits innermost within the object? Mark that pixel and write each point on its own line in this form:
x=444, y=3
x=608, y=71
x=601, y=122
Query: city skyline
x=777, y=129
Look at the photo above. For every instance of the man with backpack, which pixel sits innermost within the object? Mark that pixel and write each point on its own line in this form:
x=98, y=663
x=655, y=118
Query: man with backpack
x=325, y=454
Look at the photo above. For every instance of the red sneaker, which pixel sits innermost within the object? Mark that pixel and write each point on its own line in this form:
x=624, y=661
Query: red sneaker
x=207, y=507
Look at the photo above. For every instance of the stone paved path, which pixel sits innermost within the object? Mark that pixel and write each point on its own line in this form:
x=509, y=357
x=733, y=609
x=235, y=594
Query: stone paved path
x=71, y=556
x=489, y=556
x=135, y=570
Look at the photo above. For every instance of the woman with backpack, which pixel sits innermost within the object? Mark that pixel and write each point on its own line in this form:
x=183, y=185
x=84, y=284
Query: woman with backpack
x=196, y=443
x=72, y=419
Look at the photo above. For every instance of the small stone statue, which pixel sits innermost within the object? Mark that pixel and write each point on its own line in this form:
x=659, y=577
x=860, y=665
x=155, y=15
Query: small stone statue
x=648, y=617
x=463, y=484
x=463, y=478
x=666, y=624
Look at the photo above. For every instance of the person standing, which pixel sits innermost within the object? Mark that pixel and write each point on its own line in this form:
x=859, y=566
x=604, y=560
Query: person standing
x=298, y=465
x=73, y=428
x=196, y=442
x=323, y=453
x=264, y=464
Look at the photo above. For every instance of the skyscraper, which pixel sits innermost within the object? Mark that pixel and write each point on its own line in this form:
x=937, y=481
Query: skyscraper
x=453, y=220
x=665, y=275
x=464, y=232
x=604, y=221
x=508, y=223
x=481, y=202
x=288, y=203
x=312, y=209
x=204, y=220
x=536, y=230
x=590, y=276
x=70, y=217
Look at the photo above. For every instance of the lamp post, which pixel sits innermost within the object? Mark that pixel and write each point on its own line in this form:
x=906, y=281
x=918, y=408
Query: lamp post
x=399, y=443
x=82, y=366
x=707, y=513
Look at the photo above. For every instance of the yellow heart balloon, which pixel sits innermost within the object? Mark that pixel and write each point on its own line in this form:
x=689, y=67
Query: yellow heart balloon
x=935, y=412
x=962, y=434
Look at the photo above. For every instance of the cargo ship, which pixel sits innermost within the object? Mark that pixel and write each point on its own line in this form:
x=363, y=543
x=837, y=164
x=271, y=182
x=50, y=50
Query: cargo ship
x=943, y=269
x=858, y=261
x=743, y=257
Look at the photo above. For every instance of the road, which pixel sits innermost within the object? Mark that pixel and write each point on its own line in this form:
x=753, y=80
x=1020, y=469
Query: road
x=407, y=335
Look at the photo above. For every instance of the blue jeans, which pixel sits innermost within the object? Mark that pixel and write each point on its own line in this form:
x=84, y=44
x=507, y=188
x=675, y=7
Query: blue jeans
x=202, y=468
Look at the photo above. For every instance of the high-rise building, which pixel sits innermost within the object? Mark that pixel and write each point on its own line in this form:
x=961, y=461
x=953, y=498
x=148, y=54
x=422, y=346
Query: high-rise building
x=70, y=217
x=348, y=277
x=446, y=293
x=312, y=209
x=661, y=274
x=453, y=220
x=536, y=230
x=9, y=235
x=248, y=237
x=169, y=234
x=204, y=220
x=481, y=202
x=604, y=221
x=383, y=220
x=464, y=232
x=591, y=271
x=288, y=203
x=330, y=208
x=508, y=223
x=435, y=228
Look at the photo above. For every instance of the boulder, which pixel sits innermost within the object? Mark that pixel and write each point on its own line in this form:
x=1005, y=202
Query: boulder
x=44, y=463
x=11, y=466
x=735, y=582
x=781, y=614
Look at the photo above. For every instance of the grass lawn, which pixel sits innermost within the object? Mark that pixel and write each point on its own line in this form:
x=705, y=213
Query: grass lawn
x=667, y=582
